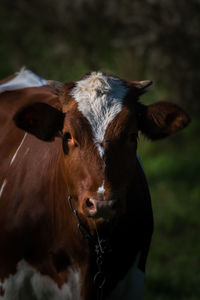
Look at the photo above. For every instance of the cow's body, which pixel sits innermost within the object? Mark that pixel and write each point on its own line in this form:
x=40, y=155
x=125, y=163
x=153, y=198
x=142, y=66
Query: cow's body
x=42, y=254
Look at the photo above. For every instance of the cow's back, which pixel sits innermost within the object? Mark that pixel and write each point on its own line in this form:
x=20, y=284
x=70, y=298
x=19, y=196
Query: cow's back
x=10, y=102
x=25, y=179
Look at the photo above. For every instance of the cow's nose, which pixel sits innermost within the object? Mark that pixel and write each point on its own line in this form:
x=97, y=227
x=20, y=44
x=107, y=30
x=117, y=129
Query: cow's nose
x=101, y=208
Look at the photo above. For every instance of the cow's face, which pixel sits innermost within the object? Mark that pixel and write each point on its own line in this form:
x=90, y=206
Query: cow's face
x=99, y=120
x=99, y=141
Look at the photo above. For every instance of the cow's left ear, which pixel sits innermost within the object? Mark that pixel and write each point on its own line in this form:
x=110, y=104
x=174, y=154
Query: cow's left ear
x=161, y=119
x=41, y=120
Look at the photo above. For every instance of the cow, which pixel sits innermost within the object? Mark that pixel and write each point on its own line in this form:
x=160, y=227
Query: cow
x=76, y=218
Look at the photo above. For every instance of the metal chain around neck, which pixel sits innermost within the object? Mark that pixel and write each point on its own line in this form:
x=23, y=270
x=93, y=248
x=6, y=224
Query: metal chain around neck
x=101, y=247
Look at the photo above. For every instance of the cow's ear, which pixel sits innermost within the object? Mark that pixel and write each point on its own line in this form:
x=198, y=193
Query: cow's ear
x=161, y=119
x=40, y=119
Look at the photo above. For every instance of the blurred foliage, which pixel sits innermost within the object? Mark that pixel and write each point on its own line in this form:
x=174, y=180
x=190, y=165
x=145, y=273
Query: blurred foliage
x=172, y=169
x=136, y=38
x=150, y=39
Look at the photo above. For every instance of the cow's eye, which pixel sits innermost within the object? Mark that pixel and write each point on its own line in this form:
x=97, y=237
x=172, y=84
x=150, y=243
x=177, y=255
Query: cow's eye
x=66, y=139
x=133, y=137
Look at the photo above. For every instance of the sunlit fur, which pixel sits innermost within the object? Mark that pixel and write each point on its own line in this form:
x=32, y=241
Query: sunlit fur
x=23, y=79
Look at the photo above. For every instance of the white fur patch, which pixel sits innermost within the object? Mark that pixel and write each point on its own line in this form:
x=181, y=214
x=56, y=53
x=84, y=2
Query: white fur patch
x=2, y=187
x=100, y=149
x=28, y=284
x=101, y=189
x=100, y=99
x=132, y=286
x=23, y=79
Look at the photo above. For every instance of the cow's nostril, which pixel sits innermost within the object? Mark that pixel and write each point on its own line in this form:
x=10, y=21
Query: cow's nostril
x=89, y=203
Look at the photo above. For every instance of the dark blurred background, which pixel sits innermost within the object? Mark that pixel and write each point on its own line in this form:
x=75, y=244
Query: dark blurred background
x=136, y=40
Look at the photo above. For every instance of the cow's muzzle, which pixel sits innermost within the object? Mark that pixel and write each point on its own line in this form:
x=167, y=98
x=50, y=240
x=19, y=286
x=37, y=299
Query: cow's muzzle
x=105, y=209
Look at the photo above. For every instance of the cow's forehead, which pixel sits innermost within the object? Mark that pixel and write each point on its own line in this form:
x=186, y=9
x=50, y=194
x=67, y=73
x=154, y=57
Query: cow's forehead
x=100, y=98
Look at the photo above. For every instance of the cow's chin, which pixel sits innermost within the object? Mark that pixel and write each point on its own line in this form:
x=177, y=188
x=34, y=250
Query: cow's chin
x=100, y=226
x=98, y=220
x=95, y=223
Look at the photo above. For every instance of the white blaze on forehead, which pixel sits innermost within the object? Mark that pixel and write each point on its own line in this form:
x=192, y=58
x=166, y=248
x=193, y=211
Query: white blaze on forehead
x=100, y=99
x=100, y=149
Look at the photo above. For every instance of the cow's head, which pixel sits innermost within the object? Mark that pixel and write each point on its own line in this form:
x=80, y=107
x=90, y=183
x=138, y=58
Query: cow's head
x=98, y=120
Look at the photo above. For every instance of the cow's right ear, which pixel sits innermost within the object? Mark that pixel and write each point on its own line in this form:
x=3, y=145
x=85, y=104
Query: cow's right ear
x=161, y=119
x=41, y=120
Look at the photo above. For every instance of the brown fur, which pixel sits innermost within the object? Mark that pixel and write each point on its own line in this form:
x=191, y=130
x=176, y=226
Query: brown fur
x=35, y=218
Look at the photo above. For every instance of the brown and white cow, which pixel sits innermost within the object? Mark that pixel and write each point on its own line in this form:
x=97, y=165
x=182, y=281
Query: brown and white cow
x=68, y=157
